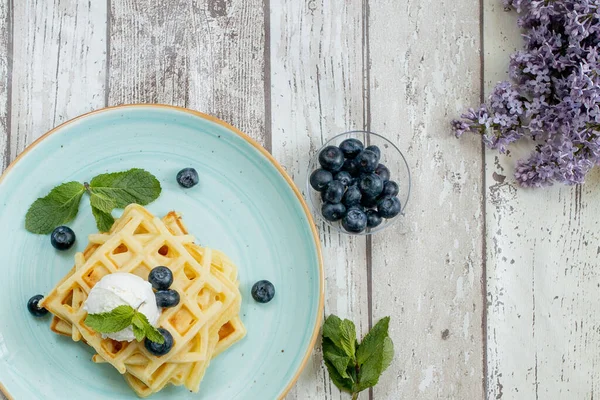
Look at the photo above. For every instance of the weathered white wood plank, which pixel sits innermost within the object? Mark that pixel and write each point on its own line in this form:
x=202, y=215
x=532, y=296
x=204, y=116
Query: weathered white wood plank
x=5, y=59
x=205, y=55
x=59, y=53
x=317, y=92
x=543, y=277
x=427, y=270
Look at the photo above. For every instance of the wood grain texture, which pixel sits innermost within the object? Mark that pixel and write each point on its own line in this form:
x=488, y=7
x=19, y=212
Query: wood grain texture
x=205, y=55
x=427, y=270
x=317, y=92
x=543, y=278
x=59, y=53
x=5, y=70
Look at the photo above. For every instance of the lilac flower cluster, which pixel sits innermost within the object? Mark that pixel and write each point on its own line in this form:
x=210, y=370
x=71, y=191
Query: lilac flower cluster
x=554, y=96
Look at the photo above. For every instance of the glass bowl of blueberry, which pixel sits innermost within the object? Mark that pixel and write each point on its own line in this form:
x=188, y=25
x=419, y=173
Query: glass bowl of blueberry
x=358, y=183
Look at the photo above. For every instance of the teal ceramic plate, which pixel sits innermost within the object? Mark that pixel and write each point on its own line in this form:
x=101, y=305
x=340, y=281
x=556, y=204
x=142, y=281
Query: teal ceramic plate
x=245, y=205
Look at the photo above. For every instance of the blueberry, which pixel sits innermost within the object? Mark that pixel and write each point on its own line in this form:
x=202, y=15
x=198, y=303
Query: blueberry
x=334, y=192
x=370, y=185
x=383, y=172
x=34, y=308
x=375, y=150
x=263, y=291
x=160, y=349
x=352, y=196
x=331, y=158
x=187, y=177
x=320, y=178
x=373, y=219
x=388, y=207
x=367, y=161
x=351, y=166
x=355, y=207
x=344, y=177
x=333, y=212
x=390, y=189
x=351, y=147
x=368, y=202
x=160, y=278
x=62, y=238
x=355, y=221
x=167, y=298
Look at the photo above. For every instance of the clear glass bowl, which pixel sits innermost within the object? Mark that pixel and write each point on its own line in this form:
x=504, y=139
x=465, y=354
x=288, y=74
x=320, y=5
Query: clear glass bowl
x=391, y=157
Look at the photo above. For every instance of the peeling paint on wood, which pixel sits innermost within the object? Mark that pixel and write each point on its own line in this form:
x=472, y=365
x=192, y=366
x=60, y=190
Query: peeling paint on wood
x=317, y=92
x=427, y=270
x=5, y=70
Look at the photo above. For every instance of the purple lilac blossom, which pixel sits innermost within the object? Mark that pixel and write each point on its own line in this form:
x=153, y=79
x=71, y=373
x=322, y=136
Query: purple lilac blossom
x=554, y=96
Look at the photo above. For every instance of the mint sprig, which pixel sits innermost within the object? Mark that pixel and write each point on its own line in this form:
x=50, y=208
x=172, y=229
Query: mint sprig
x=107, y=192
x=120, y=318
x=355, y=367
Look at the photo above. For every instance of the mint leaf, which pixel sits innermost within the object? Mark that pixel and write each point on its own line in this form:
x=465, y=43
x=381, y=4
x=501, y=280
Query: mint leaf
x=132, y=186
x=388, y=353
x=104, y=221
x=337, y=358
x=112, y=321
x=57, y=208
x=139, y=333
x=331, y=329
x=373, y=341
x=348, y=337
x=102, y=202
x=149, y=331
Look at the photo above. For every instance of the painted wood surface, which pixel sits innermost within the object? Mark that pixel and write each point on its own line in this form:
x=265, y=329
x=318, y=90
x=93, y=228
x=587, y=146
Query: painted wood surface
x=543, y=278
x=5, y=69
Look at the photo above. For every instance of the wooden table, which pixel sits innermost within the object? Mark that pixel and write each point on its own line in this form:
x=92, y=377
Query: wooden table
x=492, y=290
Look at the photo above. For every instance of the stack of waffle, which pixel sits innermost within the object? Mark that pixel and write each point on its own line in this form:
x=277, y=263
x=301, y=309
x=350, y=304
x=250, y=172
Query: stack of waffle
x=203, y=324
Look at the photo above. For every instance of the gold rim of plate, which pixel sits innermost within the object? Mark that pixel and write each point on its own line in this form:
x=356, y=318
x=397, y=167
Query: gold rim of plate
x=265, y=153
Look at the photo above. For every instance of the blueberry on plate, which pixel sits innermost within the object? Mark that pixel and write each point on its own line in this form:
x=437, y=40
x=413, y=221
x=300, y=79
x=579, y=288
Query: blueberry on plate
x=160, y=349
x=383, y=172
x=355, y=221
x=62, y=238
x=263, y=291
x=334, y=192
x=352, y=196
x=375, y=150
x=160, y=278
x=333, y=212
x=367, y=161
x=34, y=307
x=390, y=189
x=388, y=207
x=351, y=147
x=187, y=177
x=373, y=219
x=331, y=158
x=351, y=166
x=370, y=185
x=167, y=298
x=344, y=177
x=320, y=178
x=368, y=202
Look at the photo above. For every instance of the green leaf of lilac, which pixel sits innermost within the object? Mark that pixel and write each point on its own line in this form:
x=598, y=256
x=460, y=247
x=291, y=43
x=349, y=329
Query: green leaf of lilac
x=348, y=338
x=124, y=188
x=57, y=208
x=149, y=331
x=112, y=321
x=104, y=221
x=102, y=202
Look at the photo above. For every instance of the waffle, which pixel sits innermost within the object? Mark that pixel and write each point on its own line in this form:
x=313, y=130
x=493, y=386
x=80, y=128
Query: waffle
x=204, y=323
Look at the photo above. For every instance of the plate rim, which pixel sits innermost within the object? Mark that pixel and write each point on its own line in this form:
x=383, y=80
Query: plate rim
x=258, y=147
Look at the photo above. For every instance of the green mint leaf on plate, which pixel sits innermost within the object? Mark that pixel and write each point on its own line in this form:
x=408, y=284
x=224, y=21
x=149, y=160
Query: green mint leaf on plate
x=354, y=367
x=149, y=331
x=112, y=321
x=123, y=188
x=104, y=221
x=57, y=208
x=102, y=202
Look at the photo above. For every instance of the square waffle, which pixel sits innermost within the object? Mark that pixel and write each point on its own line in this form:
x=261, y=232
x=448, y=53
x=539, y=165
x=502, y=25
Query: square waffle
x=208, y=310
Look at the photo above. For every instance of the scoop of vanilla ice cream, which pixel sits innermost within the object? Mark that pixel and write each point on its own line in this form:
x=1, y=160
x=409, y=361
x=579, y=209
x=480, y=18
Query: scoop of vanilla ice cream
x=122, y=288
